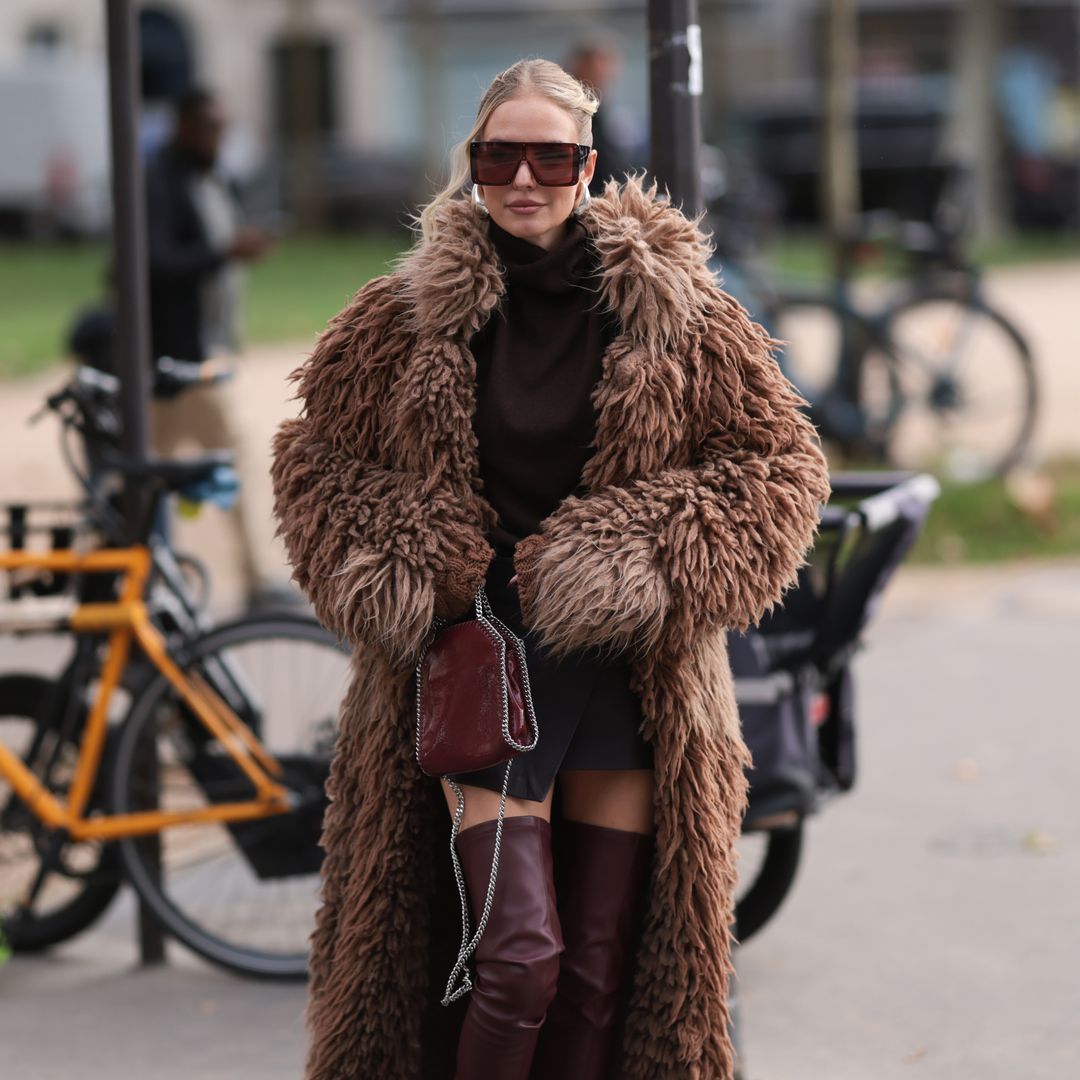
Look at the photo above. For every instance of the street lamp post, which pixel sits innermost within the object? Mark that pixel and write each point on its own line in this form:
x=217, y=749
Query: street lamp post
x=132, y=342
x=132, y=338
x=675, y=84
x=675, y=80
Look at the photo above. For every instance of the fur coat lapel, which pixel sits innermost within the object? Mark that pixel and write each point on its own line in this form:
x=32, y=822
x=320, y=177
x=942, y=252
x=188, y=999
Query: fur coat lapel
x=654, y=264
x=700, y=505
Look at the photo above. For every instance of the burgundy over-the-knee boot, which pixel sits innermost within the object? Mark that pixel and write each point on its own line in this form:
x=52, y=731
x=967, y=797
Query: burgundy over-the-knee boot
x=599, y=904
x=517, y=957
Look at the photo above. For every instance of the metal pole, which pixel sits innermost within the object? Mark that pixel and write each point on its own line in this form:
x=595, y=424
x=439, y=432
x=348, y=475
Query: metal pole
x=675, y=81
x=675, y=85
x=132, y=338
x=129, y=227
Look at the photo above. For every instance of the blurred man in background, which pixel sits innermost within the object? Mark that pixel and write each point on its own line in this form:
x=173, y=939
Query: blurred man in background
x=198, y=246
x=197, y=240
x=619, y=149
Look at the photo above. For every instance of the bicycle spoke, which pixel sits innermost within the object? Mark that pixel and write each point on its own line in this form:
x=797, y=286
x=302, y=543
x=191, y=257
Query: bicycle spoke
x=969, y=389
x=243, y=895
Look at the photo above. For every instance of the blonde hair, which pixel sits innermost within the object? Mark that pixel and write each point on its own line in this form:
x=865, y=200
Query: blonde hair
x=540, y=76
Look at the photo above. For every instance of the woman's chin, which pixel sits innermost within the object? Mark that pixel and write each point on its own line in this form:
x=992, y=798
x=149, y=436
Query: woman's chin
x=517, y=225
x=528, y=227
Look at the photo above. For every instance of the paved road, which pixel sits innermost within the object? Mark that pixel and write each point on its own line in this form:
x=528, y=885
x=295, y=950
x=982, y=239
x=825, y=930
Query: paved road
x=932, y=933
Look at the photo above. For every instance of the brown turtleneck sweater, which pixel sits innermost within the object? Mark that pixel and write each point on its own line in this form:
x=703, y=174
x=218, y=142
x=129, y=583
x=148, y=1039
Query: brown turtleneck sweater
x=538, y=359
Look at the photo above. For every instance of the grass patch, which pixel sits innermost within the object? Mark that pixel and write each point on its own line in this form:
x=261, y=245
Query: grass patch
x=307, y=280
x=802, y=257
x=291, y=294
x=41, y=289
x=983, y=522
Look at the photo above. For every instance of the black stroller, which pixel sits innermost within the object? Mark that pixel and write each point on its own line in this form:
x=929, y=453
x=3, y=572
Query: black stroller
x=793, y=674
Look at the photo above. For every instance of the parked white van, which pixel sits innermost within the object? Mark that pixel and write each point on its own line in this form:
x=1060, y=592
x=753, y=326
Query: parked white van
x=54, y=135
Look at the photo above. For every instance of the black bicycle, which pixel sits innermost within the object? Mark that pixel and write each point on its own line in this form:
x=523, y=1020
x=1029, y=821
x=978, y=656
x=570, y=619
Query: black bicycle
x=922, y=372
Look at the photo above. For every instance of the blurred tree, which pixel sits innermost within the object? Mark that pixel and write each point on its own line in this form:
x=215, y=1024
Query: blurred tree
x=430, y=68
x=302, y=74
x=975, y=136
x=840, y=198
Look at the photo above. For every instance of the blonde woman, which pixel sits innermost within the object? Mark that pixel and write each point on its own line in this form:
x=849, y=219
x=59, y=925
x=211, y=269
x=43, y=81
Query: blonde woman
x=552, y=396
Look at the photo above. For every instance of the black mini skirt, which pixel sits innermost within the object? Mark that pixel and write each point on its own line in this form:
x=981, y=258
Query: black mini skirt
x=588, y=716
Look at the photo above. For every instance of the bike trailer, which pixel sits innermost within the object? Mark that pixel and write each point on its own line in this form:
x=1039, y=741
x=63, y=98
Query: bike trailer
x=793, y=677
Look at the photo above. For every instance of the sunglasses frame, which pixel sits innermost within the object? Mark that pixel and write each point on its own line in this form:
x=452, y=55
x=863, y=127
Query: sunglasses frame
x=580, y=158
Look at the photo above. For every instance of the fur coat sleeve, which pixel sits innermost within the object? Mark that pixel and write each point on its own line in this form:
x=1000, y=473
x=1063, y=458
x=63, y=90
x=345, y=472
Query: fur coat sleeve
x=716, y=540
x=379, y=549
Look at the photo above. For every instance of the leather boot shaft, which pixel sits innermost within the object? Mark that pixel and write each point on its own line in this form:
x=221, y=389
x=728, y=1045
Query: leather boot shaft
x=603, y=876
x=517, y=957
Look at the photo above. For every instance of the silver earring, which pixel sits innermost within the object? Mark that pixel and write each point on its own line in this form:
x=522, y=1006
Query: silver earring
x=477, y=201
x=585, y=199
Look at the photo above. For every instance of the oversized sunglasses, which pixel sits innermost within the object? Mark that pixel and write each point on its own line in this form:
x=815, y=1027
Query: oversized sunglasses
x=553, y=164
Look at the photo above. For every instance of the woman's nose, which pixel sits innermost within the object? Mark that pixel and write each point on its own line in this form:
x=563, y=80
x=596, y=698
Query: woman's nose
x=523, y=177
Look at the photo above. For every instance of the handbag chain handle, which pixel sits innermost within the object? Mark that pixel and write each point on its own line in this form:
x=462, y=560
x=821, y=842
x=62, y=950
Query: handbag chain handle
x=469, y=947
x=486, y=617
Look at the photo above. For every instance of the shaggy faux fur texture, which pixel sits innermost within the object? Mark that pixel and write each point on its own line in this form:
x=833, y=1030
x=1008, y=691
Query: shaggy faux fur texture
x=700, y=506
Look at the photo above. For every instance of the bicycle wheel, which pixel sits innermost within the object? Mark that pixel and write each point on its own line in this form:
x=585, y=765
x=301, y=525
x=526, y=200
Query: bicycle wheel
x=840, y=363
x=242, y=895
x=768, y=862
x=85, y=877
x=970, y=388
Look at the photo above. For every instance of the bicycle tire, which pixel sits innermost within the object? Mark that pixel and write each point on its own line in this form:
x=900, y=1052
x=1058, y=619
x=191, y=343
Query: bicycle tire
x=163, y=896
x=21, y=697
x=858, y=420
x=1016, y=348
x=772, y=883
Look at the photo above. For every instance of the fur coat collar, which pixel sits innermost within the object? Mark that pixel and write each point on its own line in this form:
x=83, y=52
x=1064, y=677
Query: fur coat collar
x=700, y=505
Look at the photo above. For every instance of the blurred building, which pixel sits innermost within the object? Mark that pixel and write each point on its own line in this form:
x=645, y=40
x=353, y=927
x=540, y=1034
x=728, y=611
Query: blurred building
x=343, y=109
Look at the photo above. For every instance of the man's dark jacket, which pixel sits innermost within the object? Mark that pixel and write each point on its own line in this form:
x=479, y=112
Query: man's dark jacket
x=181, y=256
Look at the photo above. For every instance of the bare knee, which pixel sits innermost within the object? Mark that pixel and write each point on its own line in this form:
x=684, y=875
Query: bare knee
x=483, y=805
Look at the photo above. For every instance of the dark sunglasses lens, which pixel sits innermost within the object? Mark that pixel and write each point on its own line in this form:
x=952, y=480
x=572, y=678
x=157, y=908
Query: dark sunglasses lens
x=494, y=163
x=554, y=164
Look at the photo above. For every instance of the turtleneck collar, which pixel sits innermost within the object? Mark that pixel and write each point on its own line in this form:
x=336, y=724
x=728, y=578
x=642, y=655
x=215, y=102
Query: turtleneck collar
x=555, y=271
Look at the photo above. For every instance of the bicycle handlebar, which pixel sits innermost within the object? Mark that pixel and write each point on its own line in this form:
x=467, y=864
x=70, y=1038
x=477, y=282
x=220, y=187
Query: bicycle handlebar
x=176, y=375
x=89, y=405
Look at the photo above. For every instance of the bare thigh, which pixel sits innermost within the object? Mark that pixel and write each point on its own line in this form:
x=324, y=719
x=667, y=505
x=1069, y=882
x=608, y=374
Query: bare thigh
x=483, y=805
x=615, y=798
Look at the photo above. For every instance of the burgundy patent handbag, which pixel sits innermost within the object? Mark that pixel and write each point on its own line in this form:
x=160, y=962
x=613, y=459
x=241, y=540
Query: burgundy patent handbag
x=473, y=705
x=473, y=710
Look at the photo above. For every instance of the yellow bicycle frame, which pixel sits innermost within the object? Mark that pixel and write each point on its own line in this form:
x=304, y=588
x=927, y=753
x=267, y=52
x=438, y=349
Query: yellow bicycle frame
x=127, y=620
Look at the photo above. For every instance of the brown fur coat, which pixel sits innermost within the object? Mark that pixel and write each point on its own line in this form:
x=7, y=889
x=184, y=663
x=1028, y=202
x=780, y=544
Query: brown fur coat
x=701, y=505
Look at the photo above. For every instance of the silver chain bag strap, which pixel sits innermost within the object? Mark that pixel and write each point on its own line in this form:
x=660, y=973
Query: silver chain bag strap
x=503, y=638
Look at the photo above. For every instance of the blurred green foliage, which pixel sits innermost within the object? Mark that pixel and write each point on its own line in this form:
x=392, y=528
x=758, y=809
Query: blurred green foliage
x=292, y=293
x=41, y=288
x=307, y=279
x=801, y=256
x=982, y=522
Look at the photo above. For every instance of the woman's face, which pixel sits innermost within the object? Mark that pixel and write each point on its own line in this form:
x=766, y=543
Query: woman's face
x=523, y=207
